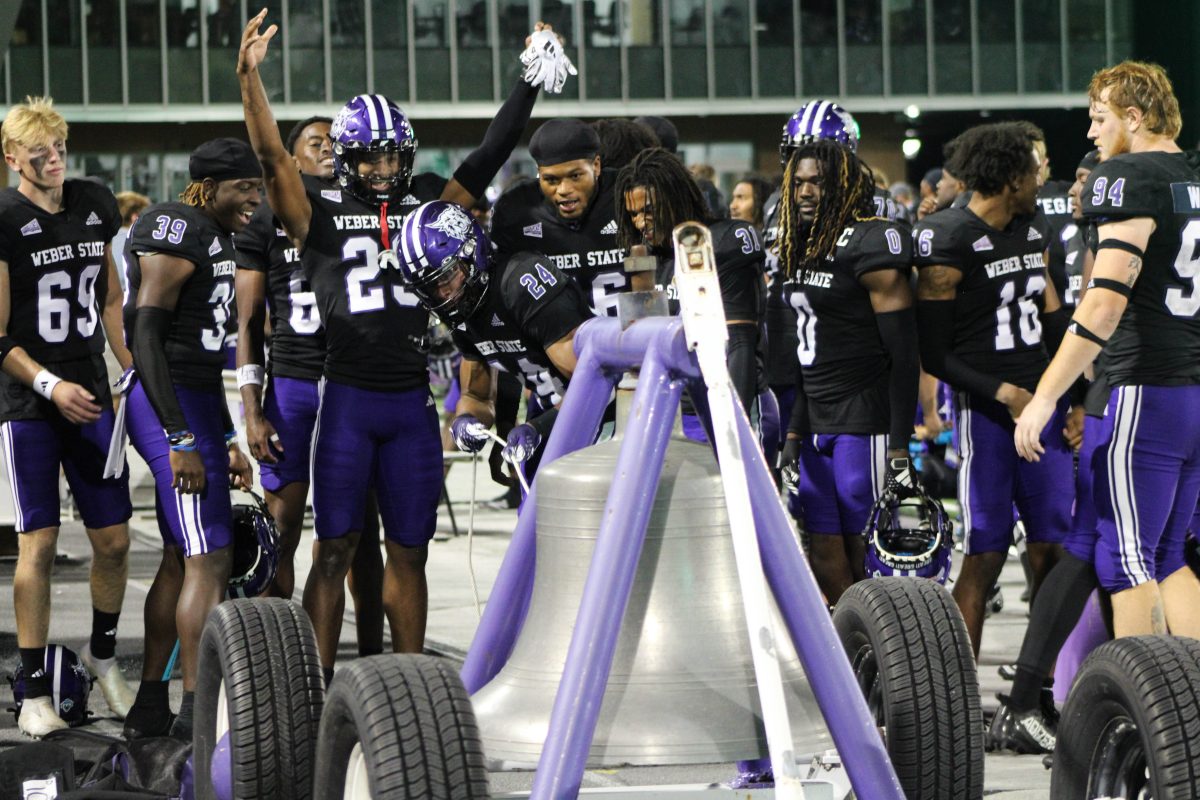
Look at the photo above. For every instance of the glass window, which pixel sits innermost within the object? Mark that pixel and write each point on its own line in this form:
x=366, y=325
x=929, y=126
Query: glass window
x=431, y=37
x=998, y=46
x=306, y=35
x=183, y=52
x=818, y=47
x=776, y=53
x=66, y=51
x=389, y=24
x=864, y=47
x=473, y=29
x=642, y=29
x=1042, y=34
x=561, y=15
x=143, y=45
x=223, y=21
x=601, y=26
x=908, y=46
x=25, y=51
x=348, y=45
x=731, y=48
x=104, y=51
x=1085, y=42
x=1122, y=26
x=101, y=166
x=689, y=56
x=952, y=46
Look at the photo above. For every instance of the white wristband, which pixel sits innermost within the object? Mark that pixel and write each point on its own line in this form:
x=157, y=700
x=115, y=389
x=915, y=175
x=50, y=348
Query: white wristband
x=250, y=374
x=44, y=383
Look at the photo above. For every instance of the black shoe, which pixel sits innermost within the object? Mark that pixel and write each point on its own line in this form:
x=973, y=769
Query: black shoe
x=143, y=722
x=1026, y=733
x=181, y=728
x=995, y=601
x=1007, y=671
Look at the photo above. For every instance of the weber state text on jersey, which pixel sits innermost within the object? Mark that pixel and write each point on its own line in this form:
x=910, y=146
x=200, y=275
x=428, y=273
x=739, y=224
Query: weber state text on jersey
x=204, y=312
x=1157, y=342
x=844, y=362
x=297, y=344
x=57, y=281
x=1054, y=203
x=739, y=255
x=997, y=327
x=374, y=326
x=586, y=249
x=529, y=307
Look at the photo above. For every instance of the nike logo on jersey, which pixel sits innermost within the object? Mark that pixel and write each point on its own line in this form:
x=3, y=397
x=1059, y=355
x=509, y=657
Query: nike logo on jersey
x=215, y=247
x=496, y=321
x=609, y=228
x=533, y=230
x=30, y=228
x=1033, y=235
x=93, y=219
x=981, y=244
x=332, y=195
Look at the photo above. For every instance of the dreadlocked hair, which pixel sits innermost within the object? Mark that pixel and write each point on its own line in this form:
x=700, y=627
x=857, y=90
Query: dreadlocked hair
x=621, y=140
x=193, y=195
x=847, y=195
x=670, y=189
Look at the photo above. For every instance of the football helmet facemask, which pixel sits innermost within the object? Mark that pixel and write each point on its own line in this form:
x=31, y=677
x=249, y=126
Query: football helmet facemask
x=255, y=549
x=897, y=546
x=370, y=128
x=444, y=256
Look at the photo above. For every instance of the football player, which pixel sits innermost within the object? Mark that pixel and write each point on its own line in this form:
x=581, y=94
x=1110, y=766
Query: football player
x=181, y=271
x=848, y=284
x=658, y=193
x=1142, y=309
x=60, y=298
x=519, y=318
x=377, y=423
x=568, y=213
x=279, y=425
x=984, y=296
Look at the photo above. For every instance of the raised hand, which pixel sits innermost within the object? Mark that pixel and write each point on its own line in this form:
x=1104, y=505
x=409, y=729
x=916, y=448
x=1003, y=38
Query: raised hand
x=254, y=43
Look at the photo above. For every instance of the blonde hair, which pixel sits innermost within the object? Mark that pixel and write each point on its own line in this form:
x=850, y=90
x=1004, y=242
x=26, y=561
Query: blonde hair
x=193, y=195
x=130, y=204
x=1143, y=86
x=32, y=123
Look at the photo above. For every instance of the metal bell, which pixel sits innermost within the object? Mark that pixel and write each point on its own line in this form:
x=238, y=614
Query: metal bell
x=682, y=688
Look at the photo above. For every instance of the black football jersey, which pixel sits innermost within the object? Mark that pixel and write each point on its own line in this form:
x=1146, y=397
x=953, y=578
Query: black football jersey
x=844, y=362
x=739, y=254
x=585, y=249
x=529, y=307
x=57, y=279
x=887, y=208
x=781, y=364
x=1054, y=203
x=374, y=326
x=1157, y=342
x=1074, y=245
x=297, y=344
x=998, y=327
x=204, y=313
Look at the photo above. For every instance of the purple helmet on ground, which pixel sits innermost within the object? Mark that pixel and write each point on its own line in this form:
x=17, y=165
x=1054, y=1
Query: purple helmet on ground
x=818, y=119
x=910, y=537
x=370, y=128
x=70, y=685
x=444, y=257
x=255, y=549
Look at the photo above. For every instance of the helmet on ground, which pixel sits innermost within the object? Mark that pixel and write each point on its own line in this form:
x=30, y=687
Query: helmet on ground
x=255, y=549
x=369, y=129
x=444, y=257
x=818, y=119
x=70, y=684
x=909, y=537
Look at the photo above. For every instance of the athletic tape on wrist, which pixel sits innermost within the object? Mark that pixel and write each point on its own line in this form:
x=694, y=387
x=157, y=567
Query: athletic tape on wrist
x=44, y=383
x=249, y=374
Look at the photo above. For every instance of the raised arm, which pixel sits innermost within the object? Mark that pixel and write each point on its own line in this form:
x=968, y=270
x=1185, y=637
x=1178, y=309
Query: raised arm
x=285, y=189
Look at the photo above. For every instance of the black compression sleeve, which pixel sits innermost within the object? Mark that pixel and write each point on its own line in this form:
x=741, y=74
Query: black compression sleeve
x=935, y=331
x=898, y=329
x=1078, y=391
x=544, y=422
x=740, y=354
x=151, y=328
x=798, y=422
x=1054, y=328
x=226, y=419
x=482, y=164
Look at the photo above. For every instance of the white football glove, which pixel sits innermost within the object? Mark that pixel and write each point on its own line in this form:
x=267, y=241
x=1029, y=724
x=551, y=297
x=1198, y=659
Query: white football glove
x=546, y=64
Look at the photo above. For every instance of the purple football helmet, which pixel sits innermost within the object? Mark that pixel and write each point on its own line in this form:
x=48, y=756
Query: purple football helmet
x=255, y=549
x=70, y=685
x=897, y=546
x=818, y=119
x=444, y=257
x=367, y=128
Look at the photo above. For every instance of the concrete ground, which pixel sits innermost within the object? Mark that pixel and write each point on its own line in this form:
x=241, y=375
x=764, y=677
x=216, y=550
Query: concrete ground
x=452, y=622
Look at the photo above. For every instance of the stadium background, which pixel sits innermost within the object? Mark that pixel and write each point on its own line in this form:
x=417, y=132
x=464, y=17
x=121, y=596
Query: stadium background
x=144, y=81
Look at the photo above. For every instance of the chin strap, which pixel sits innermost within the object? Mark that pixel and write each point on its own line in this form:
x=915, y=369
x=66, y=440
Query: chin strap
x=383, y=226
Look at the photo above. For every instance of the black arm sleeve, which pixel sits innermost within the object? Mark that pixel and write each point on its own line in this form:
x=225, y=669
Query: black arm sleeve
x=150, y=358
x=898, y=329
x=1054, y=328
x=798, y=422
x=741, y=356
x=482, y=164
x=226, y=419
x=543, y=423
x=935, y=332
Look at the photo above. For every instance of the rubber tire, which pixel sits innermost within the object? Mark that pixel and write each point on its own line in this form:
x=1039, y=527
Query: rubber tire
x=266, y=652
x=926, y=687
x=414, y=722
x=1155, y=682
